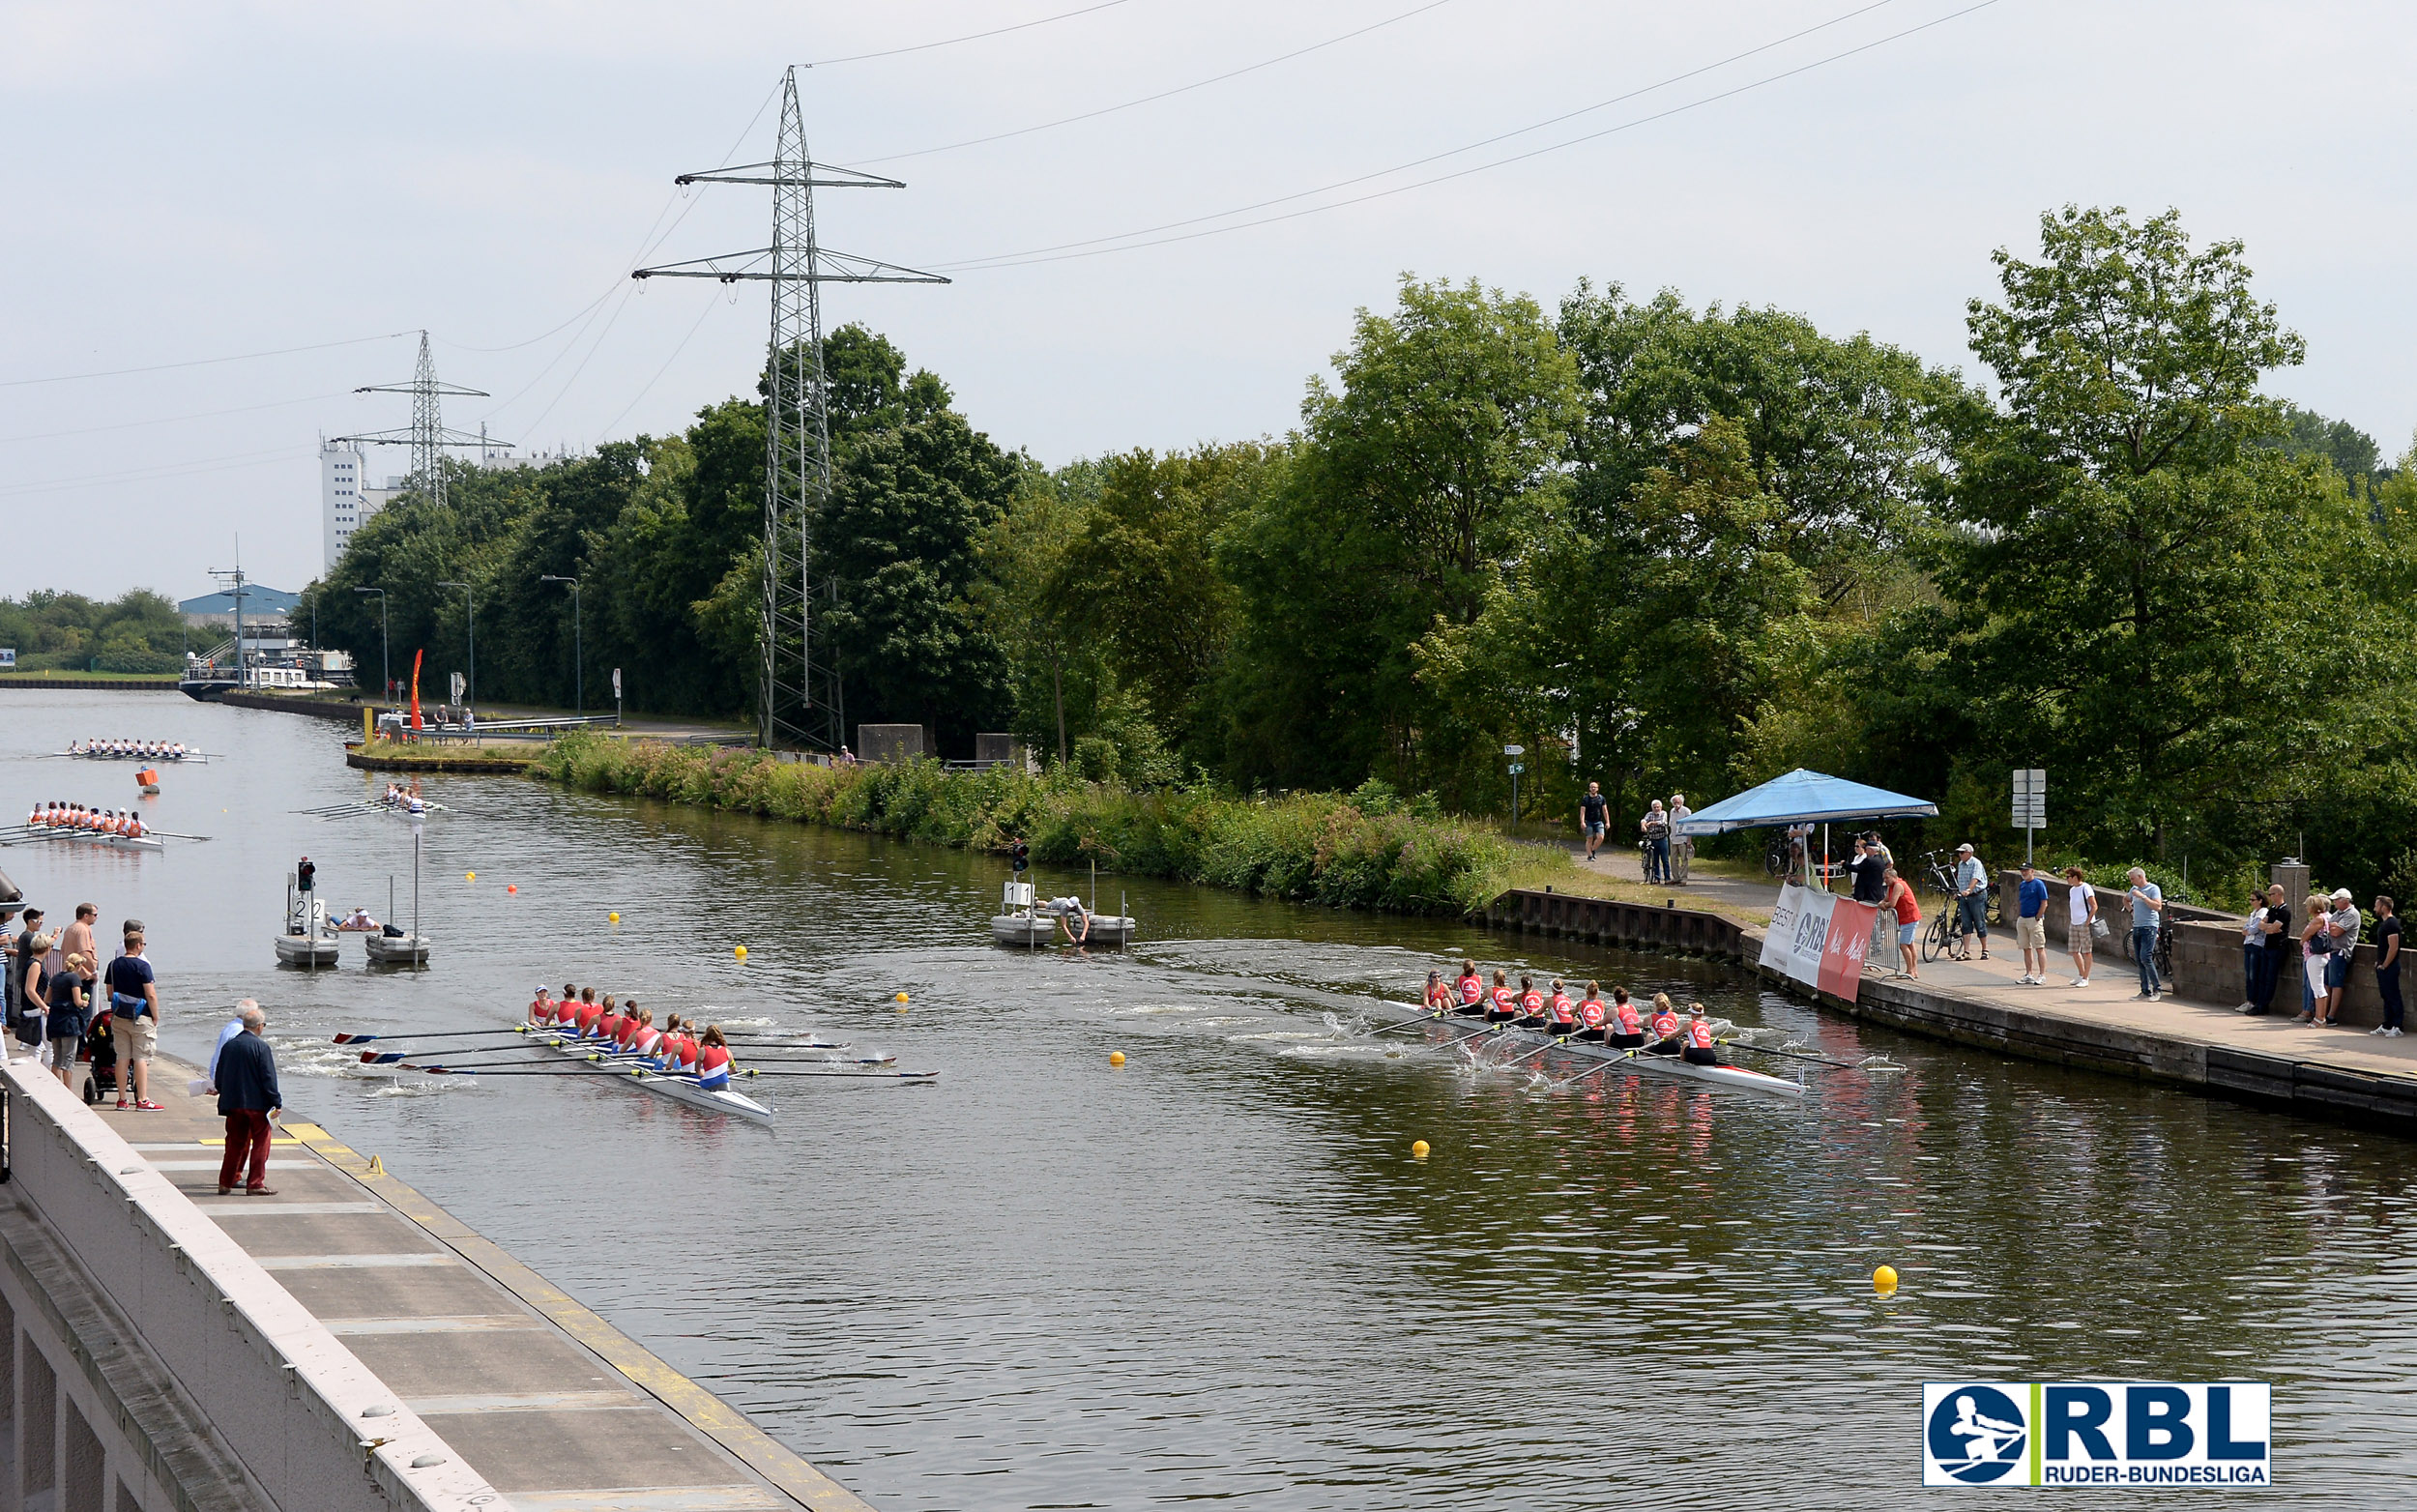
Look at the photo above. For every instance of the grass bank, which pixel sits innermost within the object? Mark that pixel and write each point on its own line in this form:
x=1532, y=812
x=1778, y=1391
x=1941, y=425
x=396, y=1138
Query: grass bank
x=1365, y=850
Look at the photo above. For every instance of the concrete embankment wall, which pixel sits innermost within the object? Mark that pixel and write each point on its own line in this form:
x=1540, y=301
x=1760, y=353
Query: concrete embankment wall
x=154, y=1365
x=2206, y=957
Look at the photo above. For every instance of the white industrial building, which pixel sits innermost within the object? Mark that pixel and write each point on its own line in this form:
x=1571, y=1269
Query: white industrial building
x=347, y=500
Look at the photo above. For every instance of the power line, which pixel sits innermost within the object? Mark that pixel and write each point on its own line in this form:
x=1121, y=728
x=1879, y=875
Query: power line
x=172, y=419
x=156, y=472
x=1039, y=253
x=203, y=362
x=950, y=41
x=1164, y=94
x=609, y=425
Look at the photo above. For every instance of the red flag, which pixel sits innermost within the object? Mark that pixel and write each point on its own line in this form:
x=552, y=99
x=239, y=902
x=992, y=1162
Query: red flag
x=415, y=685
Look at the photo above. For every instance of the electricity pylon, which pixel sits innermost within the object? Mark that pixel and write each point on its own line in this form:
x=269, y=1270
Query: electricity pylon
x=428, y=436
x=799, y=696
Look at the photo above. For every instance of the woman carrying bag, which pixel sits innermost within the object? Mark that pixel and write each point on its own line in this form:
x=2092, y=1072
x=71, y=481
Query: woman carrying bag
x=2082, y=926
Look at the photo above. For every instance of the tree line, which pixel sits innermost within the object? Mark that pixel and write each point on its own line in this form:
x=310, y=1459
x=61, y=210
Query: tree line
x=1664, y=548
x=53, y=632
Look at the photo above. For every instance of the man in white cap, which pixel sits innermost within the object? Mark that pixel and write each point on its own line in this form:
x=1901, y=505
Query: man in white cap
x=2342, y=924
x=1971, y=900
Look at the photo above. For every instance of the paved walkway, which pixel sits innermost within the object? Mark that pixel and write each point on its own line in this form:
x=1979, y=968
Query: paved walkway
x=553, y=1405
x=1737, y=895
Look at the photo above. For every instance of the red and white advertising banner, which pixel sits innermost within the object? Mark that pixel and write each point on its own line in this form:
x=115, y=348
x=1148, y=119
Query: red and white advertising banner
x=1820, y=940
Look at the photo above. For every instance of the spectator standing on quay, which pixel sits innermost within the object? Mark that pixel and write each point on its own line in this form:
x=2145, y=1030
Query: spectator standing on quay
x=1900, y=903
x=69, y=995
x=1681, y=846
x=2080, y=927
x=2148, y=900
x=1594, y=814
x=76, y=938
x=135, y=1006
x=2314, y=943
x=25, y=965
x=1971, y=901
x=2253, y=950
x=2388, y=967
x=226, y=1032
x=2343, y=925
x=249, y=1098
x=2030, y=926
x=2273, y=937
x=1655, y=827
x=1867, y=882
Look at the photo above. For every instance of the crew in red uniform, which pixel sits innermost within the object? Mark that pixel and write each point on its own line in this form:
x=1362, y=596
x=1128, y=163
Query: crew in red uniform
x=1505, y=1004
x=541, y=1007
x=1471, y=990
x=1531, y=1004
x=1562, y=1014
x=680, y=1048
x=1627, y=1025
x=632, y=1023
x=1698, y=1050
x=1439, y=995
x=1665, y=1027
x=590, y=1010
x=1590, y=1014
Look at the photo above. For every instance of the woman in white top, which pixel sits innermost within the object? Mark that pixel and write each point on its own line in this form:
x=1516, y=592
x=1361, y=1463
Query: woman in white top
x=2080, y=930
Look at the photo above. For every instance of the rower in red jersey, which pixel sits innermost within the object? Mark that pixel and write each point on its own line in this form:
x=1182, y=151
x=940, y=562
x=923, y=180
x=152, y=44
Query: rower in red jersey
x=1471, y=989
x=1627, y=1025
x=679, y=1047
x=1531, y=1004
x=1591, y=1016
x=1560, y=1011
x=590, y=1010
x=626, y=1034
x=713, y=1065
x=1506, y=1002
x=541, y=1007
x=1699, y=1040
x=1439, y=995
x=1665, y=1027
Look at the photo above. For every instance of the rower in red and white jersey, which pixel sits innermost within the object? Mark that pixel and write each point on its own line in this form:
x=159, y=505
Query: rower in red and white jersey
x=1438, y=995
x=1627, y=1024
x=1560, y=1011
x=1592, y=1017
x=713, y=1065
x=1505, y=1006
x=644, y=1041
x=540, y=1008
x=608, y=1023
x=679, y=1051
x=1531, y=1004
x=1471, y=990
x=1699, y=1049
x=1665, y=1027
x=625, y=1034
x=583, y=1018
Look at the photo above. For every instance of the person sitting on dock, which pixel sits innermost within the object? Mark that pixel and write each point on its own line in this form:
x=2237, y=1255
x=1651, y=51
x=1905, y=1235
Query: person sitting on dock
x=1665, y=1027
x=1504, y=1007
x=1561, y=1013
x=713, y=1065
x=1592, y=1017
x=1699, y=1049
x=359, y=922
x=1472, y=988
x=1627, y=1024
x=1531, y=1004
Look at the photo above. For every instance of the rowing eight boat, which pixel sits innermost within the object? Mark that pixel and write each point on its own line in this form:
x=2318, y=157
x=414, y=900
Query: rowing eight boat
x=1737, y=1076
x=116, y=842
x=677, y=1088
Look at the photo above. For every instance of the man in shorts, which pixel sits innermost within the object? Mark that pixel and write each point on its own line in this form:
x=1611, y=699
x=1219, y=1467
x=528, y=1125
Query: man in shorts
x=1594, y=814
x=134, y=1007
x=2030, y=926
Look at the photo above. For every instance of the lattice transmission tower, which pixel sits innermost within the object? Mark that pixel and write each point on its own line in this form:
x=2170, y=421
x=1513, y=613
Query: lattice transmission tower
x=428, y=436
x=799, y=697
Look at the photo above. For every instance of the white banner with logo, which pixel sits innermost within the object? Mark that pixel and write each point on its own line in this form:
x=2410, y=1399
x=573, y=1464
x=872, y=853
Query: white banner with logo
x=1819, y=938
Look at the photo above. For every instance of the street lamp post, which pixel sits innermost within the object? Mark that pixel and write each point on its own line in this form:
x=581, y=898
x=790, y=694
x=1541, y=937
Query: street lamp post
x=386, y=668
x=578, y=659
x=470, y=598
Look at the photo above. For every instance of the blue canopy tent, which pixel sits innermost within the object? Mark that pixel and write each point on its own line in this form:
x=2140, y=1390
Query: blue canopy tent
x=1804, y=798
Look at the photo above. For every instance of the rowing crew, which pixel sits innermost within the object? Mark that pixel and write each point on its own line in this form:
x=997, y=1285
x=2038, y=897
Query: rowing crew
x=405, y=798
x=1618, y=1024
x=626, y=1030
x=98, y=821
x=147, y=750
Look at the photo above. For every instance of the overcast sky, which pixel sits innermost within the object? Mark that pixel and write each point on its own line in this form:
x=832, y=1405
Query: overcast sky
x=187, y=183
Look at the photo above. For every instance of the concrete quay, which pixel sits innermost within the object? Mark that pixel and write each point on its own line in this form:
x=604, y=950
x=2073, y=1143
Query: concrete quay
x=343, y=1344
x=2193, y=1039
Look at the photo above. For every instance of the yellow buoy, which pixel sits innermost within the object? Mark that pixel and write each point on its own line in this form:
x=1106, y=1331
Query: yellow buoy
x=741, y=951
x=1116, y=1058
x=1884, y=1279
x=902, y=997
x=470, y=876
x=1418, y=1149
x=612, y=918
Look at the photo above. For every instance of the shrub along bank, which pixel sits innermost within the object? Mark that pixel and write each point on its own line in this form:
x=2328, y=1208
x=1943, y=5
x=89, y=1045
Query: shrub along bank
x=1365, y=850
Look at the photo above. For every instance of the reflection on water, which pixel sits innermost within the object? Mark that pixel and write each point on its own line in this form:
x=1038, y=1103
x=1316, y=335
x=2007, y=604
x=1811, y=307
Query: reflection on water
x=1216, y=1271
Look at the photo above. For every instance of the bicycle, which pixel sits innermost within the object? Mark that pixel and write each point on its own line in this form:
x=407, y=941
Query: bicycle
x=1939, y=939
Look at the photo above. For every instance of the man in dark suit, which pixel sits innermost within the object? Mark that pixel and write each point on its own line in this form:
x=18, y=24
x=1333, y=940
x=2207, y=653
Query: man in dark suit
x=249, y=1098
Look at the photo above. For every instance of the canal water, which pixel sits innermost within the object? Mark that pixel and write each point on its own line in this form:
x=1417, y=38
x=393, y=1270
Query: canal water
x=1218, y=1273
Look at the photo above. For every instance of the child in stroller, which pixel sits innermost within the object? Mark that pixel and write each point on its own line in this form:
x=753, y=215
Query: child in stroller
x=99, y=1050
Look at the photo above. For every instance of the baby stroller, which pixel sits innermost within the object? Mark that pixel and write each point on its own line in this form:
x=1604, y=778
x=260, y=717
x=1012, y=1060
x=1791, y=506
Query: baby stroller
x=99, y=1051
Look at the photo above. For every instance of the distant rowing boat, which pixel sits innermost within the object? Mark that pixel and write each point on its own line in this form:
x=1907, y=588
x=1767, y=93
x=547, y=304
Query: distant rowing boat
x=1737, y=1076
x=115, y=842
x=189, y=758
x=677, y=1088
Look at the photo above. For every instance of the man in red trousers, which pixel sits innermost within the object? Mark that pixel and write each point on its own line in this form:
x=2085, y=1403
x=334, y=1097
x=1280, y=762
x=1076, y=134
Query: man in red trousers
x=248, y=1097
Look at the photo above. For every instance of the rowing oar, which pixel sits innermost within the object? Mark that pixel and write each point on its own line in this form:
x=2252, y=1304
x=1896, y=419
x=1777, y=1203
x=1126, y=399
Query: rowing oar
x=389, y=1056
x=450, y=1033
x=171, y=834
x=873, y=1076
x=1602, y=1066
x=1864, y=1065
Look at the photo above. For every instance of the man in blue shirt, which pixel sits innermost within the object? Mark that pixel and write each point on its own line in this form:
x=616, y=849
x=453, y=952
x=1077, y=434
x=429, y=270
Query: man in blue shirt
x=2030, y=926
x=2148, y=901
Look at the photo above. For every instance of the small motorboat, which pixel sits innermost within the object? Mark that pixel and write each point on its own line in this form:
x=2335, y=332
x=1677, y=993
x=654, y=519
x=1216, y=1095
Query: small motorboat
x=309, y=941
x=387, y=949
x=1030, y=924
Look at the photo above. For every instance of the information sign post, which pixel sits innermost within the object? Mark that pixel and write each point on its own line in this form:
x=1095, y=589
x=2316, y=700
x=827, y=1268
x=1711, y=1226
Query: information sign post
x=2030, y=805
